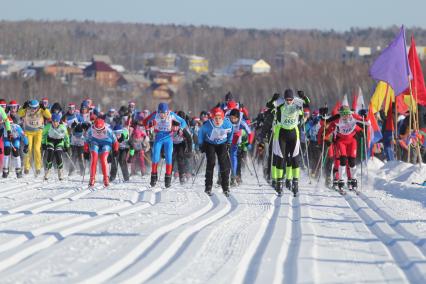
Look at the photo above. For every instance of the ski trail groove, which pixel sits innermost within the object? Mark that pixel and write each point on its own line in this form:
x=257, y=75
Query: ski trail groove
x=137, y=253
x=36, y=242
x=406, y=255
x=400, y=229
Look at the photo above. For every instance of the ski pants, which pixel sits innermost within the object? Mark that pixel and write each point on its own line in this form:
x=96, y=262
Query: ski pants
x=34, y=149
x=167, y=142
x=179, y=158
x=138, y=158
x=15, y=154
x=219, y=150
x=286, y=149
x=347, y=149
x=121, y=160
x=54, y=150
x=77, y=157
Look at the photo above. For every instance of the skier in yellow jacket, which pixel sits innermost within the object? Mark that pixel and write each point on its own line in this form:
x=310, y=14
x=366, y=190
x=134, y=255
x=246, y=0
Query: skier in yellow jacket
x=33, y=114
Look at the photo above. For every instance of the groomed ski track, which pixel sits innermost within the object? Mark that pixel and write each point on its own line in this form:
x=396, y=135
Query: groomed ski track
x=62, y=232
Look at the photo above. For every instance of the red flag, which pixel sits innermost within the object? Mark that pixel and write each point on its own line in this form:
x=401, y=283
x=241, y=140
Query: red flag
x=389, y=118
x=418, y=82
x=336, y=108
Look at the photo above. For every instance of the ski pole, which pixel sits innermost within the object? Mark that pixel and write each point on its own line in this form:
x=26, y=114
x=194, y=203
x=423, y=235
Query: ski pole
x=323, y=146
x=198, y=170
x=255, y=172
x=69, y=157
x=307, y=151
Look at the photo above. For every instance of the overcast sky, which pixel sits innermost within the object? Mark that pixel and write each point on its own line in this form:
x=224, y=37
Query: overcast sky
x=262, y=14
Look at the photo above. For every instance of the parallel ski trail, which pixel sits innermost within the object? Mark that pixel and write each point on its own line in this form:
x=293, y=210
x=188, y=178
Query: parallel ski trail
x=409, y=233
x=216, y=250
x=210, y=211
x=149, y=200
x=408, y=256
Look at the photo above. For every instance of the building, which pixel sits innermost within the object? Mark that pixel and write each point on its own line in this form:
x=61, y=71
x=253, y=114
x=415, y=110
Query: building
x=63, y=70
x=102, y=58
x=193, y=63
x=252, y=66
x=102, y=73
x=132, y=81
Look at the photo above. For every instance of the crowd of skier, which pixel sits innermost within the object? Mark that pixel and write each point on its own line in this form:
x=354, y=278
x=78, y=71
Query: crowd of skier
x=284, y=137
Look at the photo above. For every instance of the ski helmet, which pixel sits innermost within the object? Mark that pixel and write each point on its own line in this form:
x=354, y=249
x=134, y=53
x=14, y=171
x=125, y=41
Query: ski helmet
x=3, y=103
x=56, y=117
x=13, y=103
x=99, y=124
x=217, y=111
x=34, y=104
x=163, y=107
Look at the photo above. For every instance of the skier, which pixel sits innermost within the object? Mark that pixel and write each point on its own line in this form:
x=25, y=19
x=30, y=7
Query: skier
x=33, y=114
x=139, y=146
x=182, y=144
x=11, y=149
x=71, y=117
x=120, y=157
x=161, y=120
x=55, y=140
x=100, y=140
x=239, y=124
x=214, y=139
x=345, y=128
x=77, y=148
x=286, y=141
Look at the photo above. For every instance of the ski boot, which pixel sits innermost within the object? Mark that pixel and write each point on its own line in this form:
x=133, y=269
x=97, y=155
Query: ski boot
x=106, y=181
x=273, y=183
x=226, y=191
x=18, y=172
x=288, y=184
x=295, y=187
x=279, y=187
x=92, y=181
x=37, y=173
x=208, y=190
x=233, y=183
x=335, y=184
x=182, y=179
x=341, y=185
x=168, y=181
x=352, y=184
x=238, y=180
x=60, y=174
x=5, y=172
x=46, y=174
x=154, y=179
x=26, y=171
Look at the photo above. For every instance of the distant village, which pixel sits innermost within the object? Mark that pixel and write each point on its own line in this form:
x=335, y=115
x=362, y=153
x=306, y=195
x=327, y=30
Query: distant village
x=162, y=74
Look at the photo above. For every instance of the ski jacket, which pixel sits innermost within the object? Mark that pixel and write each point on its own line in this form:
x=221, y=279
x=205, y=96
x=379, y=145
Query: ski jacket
x=34, y=121
x=216, y=134
x=163, y=127
x=59, y=133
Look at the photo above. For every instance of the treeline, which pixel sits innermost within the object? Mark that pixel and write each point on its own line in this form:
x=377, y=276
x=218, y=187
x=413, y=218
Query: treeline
x=319, y=69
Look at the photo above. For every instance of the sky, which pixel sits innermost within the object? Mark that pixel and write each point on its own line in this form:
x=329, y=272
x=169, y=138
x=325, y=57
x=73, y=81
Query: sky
x=339, y=15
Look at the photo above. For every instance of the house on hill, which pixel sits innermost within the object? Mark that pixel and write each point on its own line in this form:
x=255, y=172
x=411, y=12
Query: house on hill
x=104, y=74
x=250, y=66
x=63, y=70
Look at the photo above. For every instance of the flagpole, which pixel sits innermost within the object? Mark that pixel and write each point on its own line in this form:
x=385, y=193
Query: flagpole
x=395, y=134
x=419, y=157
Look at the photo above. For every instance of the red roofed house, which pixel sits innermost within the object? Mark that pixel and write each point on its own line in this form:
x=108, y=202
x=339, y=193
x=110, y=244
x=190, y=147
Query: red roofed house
x=102, y=73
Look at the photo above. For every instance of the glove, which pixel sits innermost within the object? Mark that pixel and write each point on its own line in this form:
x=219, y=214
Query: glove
x=9, y=135
x=44, y=147
x=301, y=94
x=25, y=150
x=41, y=105
x=323, y=111
x=275, y=96
x=26, y=104
x=249, y=147
x=363, y=112
x=74, y=124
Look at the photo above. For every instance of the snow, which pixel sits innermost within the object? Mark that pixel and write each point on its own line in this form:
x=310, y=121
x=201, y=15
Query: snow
x=61, y=232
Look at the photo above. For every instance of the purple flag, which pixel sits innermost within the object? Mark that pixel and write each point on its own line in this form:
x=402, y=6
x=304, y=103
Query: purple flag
x=392, y=65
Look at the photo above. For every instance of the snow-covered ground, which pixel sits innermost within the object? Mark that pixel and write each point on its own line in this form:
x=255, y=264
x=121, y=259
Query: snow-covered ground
x=60, y=232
